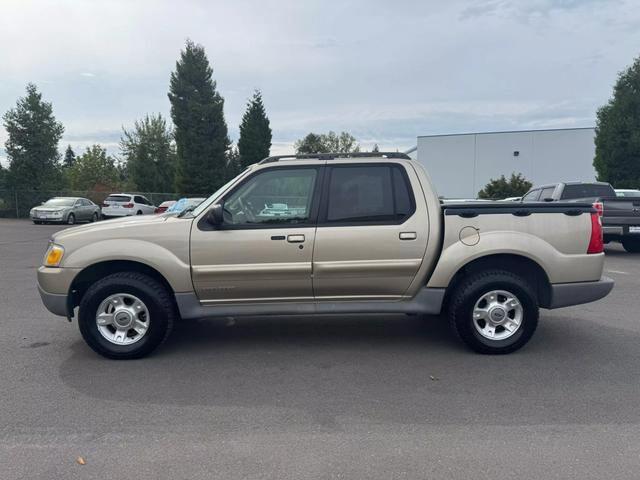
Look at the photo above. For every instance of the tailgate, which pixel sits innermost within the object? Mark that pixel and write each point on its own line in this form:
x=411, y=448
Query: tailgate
x=621, y=211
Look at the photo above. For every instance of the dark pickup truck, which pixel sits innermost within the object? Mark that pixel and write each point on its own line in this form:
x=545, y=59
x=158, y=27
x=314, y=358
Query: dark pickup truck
x=620, y=215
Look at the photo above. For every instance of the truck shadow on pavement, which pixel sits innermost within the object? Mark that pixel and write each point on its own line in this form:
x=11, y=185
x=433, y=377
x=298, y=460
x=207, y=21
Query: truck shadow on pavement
x=330, y=370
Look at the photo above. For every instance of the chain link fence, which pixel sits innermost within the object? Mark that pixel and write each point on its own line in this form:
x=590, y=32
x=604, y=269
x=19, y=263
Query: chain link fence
x=18, y=203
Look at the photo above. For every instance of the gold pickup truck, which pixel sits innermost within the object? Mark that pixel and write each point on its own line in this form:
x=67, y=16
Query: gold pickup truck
x=326, y=233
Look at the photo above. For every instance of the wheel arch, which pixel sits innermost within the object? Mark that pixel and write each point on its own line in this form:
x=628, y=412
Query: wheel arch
x=87, y=276
x=520, y=265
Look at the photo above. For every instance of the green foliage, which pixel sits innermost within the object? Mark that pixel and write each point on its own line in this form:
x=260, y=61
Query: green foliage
x=233, y=165
x=327, y=143
x=32, y=143
x=617, y=159
x=255, y=133
x=501, y=188
x=149, y=154
x=94, y=169
x=200, y=128
x=376, y=148
x=69, y=157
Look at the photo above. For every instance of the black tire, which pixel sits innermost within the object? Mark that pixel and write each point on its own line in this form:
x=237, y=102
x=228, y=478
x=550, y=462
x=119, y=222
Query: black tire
x=36, y=222
x=471, y=289
x=139, y=212
x=71, y=219
x=631, y=244
x=158, y=300
x=94, y=217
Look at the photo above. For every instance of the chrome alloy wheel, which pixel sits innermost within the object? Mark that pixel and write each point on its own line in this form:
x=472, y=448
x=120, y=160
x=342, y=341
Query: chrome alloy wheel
x=122, y=319
x=497, y=315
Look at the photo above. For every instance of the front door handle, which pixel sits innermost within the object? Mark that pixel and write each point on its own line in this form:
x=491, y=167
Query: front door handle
x=295, y=238
x=408, y=235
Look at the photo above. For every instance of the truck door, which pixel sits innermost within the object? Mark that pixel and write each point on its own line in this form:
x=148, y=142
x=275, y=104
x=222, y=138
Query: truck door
x=262, y=252
x=370, y=240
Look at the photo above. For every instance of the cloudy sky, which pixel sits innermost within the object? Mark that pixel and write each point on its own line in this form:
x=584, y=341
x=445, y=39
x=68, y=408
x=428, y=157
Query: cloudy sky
x=386, y=71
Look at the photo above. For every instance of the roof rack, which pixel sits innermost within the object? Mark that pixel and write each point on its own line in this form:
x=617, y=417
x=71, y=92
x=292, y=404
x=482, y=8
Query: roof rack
x=334, y=156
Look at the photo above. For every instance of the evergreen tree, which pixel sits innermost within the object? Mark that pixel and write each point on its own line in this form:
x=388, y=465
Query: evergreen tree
x=255, y=133
x=376, y=148
x=233, y=164
x=327, y=143
x=200, y=128
x=500, y=188
x=32, y=144
x=617, y=159
x=69, y=157
x=94, y=168
x=149, y=154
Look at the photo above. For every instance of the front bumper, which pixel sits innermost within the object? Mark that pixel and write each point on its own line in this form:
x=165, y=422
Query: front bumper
x=567, y=294
x=54, y=302
x=54, y=284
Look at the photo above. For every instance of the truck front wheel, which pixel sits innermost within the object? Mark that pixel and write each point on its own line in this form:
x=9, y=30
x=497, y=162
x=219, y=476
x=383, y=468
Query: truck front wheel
x=126, y=315
x=494, y=312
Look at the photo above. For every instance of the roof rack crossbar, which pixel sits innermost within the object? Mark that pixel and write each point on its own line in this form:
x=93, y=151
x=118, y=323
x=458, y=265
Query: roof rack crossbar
x=334, y=156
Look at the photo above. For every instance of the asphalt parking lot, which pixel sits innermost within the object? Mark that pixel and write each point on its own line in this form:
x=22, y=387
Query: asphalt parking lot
x=329, y=397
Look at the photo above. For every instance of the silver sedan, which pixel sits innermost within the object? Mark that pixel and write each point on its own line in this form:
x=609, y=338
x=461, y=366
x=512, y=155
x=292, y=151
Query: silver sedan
x=65, y=210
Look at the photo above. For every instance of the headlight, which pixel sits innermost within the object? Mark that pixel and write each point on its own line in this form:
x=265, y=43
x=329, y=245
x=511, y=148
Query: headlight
x=56, y=214
x=54, y=255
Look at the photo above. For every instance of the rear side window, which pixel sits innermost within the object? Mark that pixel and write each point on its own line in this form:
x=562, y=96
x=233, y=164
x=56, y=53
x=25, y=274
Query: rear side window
x=138, y=199
x=587, y=190
x=368, y=194
x=547, y=193
x=118, y=198
x=532, y=196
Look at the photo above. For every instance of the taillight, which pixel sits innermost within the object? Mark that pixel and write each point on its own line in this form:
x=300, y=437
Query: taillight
x=127, y=205
x=599, y=206
x=596, y=244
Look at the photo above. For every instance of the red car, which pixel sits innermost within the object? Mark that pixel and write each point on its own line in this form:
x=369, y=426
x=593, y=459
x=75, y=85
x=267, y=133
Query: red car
x=164, y=205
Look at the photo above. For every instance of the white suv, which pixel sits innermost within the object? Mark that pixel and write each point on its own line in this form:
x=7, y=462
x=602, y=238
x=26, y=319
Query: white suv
x=125, y=204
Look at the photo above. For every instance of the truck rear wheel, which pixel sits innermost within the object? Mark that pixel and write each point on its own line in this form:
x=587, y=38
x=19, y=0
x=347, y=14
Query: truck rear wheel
x=126, y=315
x=494, y=312
x=631, y=244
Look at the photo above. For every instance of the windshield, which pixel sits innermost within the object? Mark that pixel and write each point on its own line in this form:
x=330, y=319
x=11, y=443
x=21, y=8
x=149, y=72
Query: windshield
x=200, y=208
x=60, y=202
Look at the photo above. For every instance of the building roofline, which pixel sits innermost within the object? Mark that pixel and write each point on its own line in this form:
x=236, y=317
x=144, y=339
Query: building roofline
x=506, y=131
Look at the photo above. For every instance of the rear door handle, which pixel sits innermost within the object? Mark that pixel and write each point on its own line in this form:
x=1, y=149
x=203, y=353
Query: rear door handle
x=408, y=235
x=295, y=238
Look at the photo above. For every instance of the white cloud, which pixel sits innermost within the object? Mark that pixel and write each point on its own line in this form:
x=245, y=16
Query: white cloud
x=386, y=71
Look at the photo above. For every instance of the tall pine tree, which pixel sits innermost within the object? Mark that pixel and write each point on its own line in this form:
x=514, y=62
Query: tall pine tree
x=150, y=155
x=32, y=143
x=254, y=143
x=200, y=129
x=617, y=159
x=69, y=157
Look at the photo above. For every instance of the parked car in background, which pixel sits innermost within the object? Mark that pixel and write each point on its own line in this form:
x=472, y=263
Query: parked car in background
x=363, y=233
x=126, y=204
x=164, y=206
x=65, y=210
x=627, y=193
x=620, y=214
x=185, y=204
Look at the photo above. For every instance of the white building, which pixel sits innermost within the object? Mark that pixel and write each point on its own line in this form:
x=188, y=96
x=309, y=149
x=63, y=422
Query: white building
x=461, y=165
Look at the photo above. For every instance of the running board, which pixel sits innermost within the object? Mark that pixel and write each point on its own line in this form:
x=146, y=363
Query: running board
x=427, y=301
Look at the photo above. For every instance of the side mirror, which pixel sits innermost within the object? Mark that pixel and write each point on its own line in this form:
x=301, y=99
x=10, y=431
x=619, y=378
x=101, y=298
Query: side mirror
x=547, y=199
x=215, y=215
